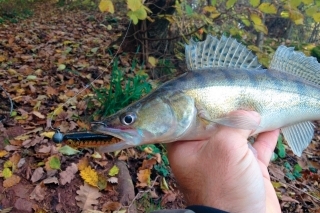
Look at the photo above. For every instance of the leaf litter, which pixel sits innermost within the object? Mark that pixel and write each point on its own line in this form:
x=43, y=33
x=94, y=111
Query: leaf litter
x=47, y=62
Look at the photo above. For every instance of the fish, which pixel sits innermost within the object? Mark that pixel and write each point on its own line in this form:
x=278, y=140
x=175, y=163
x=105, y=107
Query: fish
x=224, y=76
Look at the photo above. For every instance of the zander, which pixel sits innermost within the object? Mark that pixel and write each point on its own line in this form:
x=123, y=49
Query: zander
x=223, y=77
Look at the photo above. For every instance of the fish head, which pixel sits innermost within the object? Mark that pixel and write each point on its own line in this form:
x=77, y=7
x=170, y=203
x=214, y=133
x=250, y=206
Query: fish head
x=162, y=116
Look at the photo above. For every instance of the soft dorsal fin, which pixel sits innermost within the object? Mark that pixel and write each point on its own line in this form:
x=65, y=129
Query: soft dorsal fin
x=287, y=60
x=226, y=52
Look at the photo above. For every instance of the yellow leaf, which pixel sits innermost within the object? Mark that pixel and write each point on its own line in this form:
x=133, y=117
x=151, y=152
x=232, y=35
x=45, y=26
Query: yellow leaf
x=2, y=58
x=311, y=10
x=3, y=153
x=230, y=3
x=153, y=61
x=47, y=134
x=215, y=15
x=90, y=176
x=261, y=28
x=58, y=110
x=296, y=16
x=285, y=14
x=307, y=1
x=268, y=8
x=294, y=3
x=106, y=6
x=210, y=9
x=254, y=48
x=144, y=177
x=134, y=4
x=316, y=17
x=255, y=18
x=22, y=137
x=114, y=171
x=254, y=3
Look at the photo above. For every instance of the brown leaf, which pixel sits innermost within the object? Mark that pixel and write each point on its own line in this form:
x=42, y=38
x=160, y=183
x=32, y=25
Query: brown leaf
x=37, y=174
x=168, y=197
x=51, y=91
x=87, y=196
x=67, y=175
x=144, y=177
x=83, y=163
x=111, y=206
x=11, y=181
x=38, y=193
x=51, y=180
x=148, y=164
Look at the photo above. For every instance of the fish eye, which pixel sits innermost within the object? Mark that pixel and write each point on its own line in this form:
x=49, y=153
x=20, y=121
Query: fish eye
x=128, y=118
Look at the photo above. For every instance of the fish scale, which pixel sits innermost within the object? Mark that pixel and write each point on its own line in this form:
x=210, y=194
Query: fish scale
x=224, y=76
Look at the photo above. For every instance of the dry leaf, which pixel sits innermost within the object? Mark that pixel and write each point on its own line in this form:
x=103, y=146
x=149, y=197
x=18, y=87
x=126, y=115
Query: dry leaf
x=111, y=206
x=38, y=193
x=37, y=174
x=51, y=180
x=67, y=175
x=11, y=181
x=87, y=196
x=144, y=177
x=83, y=163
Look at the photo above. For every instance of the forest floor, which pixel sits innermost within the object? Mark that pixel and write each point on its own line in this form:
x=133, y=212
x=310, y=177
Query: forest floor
x=50, y=58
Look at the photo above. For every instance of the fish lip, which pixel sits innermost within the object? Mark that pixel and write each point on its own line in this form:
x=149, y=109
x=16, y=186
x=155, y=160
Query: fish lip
x=128, y=136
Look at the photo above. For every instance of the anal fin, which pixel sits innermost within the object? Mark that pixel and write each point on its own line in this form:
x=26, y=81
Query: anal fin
x=298, y=136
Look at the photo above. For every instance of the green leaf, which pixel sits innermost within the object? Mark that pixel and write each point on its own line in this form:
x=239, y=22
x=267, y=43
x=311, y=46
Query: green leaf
x=67, y=150
x=114, y=171
x=162, y=170
x=61, y=67
x=284, y=14
x=290, y=176
x=311, y=10
x=134, y=4
x=189, y=10
x=133, y=17
x=141, y=13
x=294, y=3
x=281, y=148
x=254, y=3
x=213, y=2
x=246, y=22
x=6, y=172
x=297, y=168
x=31, y=77
x=261, y=28
x=54, y=163
x=287, y=166
x=230, y=3
x=268, y=8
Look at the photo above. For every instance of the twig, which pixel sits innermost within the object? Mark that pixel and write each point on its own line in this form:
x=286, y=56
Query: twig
x=295, y=188
x=139, y=194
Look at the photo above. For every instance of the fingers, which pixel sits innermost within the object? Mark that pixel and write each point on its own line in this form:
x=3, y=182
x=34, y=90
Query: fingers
x=265, y=145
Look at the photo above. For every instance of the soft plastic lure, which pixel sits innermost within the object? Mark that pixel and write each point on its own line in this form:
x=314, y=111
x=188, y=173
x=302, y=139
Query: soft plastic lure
x=84, y=139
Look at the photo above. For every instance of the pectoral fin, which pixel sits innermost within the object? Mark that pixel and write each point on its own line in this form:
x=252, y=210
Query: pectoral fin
x=237, y=121
x=299, y=136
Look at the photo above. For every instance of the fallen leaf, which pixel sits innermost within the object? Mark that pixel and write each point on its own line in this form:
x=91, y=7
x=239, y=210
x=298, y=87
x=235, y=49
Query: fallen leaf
x=38, y=114
x=67, y=150
x=37, y=174
x=3, y=153
x=83, y=163
x=111, y=206
x=114, y=171
x=144, y=177
x=11, y=181
x=51, y=180
x=87, y=196
x=168, y=197
x=67, y=175
x=90, y=176
x=38, y=193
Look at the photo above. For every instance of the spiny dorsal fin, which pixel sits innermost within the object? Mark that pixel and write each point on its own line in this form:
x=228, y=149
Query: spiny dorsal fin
x=226, y=52
x=287, y=60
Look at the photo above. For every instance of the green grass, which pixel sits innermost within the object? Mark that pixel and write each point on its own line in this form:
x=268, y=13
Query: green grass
x=15, y=10
x=122, y=91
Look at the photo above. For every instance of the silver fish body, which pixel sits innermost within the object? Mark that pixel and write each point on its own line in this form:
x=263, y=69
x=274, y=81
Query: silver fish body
x=224, y=77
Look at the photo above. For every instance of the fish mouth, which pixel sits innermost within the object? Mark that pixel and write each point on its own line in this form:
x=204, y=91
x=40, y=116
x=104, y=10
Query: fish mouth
x=127, y=137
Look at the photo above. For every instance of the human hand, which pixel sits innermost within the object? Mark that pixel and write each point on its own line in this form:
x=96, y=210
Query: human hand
x=222, y=172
